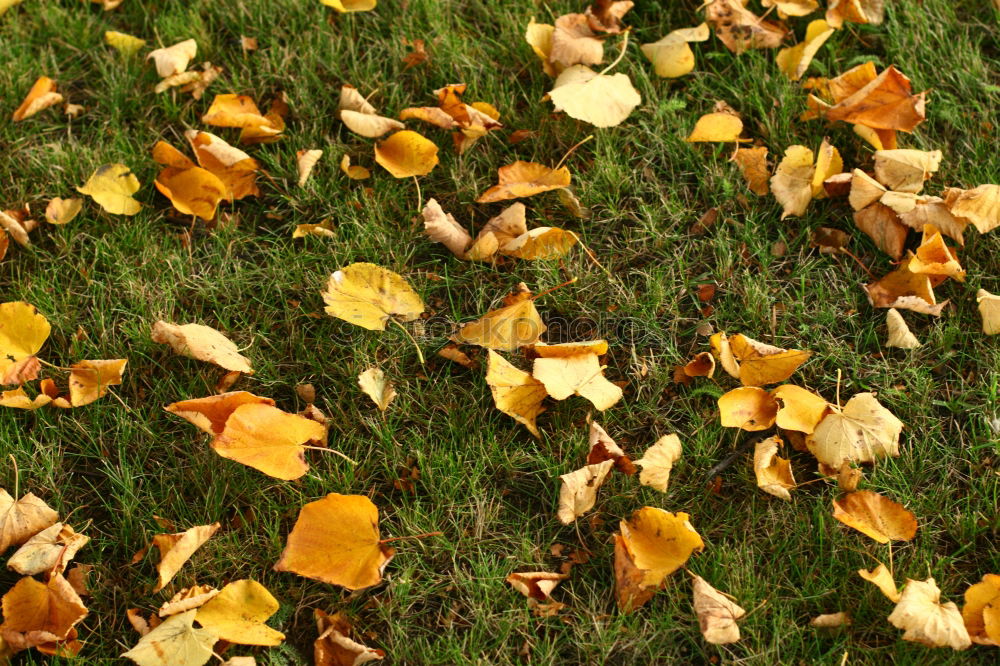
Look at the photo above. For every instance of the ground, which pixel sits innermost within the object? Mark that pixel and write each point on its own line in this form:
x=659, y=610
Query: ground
x=484, y=482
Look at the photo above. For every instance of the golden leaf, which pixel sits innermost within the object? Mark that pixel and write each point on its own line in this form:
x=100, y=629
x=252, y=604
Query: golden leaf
x=671, y=56
x=881, y=577
x=41, y=96
x=211, y=413
x=980, y=612
x=933, y=257
x=344, y=6
x=753, y=165
x=717, y=613
x=37, y=613
x=373, y=382
x=236, y=169
x=367, y=295
x=48, y=551
x=659, y=542
x=926, y=620
x=716, y=127
x=508, y=328
x=761, y=364
x=740, y=29
x=406, y=154
x=173, y=59
x=239, y=612
x=193, y=191
x=62, y=211
x=353, y=172
x=524, y=179
x=176, y=549
x=749, y=408
x=369, y=125
x=792, y=182
x=175, y=642
x=603, y=100
x=906, y=170
x=875, y=516
x=18, y=399
x=574, y=369
x=305, y=161
x=899, y=334
x=202, y=343
x=979, y=206
x=22, y=333
x=90, y=380
x=904, y=289
x=882, y=225
x=112, y=187
x=336, y=540
x=658, y=460
x=855, y=11
x=574, y=43
x=864, y=431
x=515, y=392
x=788, y=8
x=539, y=38
x=125, y=44
x=794, y=61
x=774, y=473
x=234, y=111
x=578, y=492
x=989, y=311
x=268, y=439
x=884, y=103
x=187, y=599
x=801, y=410
x=22, y=519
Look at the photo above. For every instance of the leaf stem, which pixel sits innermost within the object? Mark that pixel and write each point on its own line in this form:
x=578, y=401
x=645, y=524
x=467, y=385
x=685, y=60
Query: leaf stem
x=420, y=199
x=17, y=475
x=414, y=536
x=620, y=55
x=329, y=450
x=416, y=346
x=53, y=366
x=550, y=290
x=570, y=151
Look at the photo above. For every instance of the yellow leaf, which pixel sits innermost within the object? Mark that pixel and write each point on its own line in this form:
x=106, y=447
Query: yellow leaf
x=90, y=380
x=801, y=410
x=749, y=408
x=369, y=125
x=268, y=439
x=603, y=100
x=979, y=206
x=524, y=179
x=373, y=382
x=50, y=550
x=236, y=169
x=794, y=61
x=904, y=289
x=926, y=620
x=989, y=311
x=234, y=111
x=864, y=431
x=187, y=599
x=906, y=170
x=125, y=44
x=537, y=585
x=865, y=190
x=788, y=8
x=22, y=333
x=762, y=364
x=657, y=462
x=659, y=542
x=172, y=59
x=882, y=579
x=334, y=646
x=336, y=540
x=112, y=187
x=982, y=600
x=175, y=642
x=4, y=6
x=828, y=163
x=717, y=613
x=61, y=211
x=854, y=11
x=239, y=612
x=22, y=519
x=18, y=399
x=515, y=392
x=740, y=29
x=831, y=620
x=353, y=172
x=578, y=490
x=306, y=160
x=508, y=328
x=193, y=191
x=774, y=473
x=716, y=127
x=41, y=96
x=753, y=165
x=540, y=243
x=368, y=296
x=671, y=56
x=579, y=373
x=573, y=42
x=202, y=343
x=934, y=257
x=322, y=229
x=539, y=38
x=37, y=613
x=885, y=103
x=176, y=549
x=343, y=6
x=406, y=154
x=15, y=224
x=792, y=182
x=211, y=413
x=875, y=516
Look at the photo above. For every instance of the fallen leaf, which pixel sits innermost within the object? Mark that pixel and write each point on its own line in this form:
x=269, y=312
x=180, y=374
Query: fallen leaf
x=602, y=448
x=125, y=44
x=882, y=578
x=211, y=413
x=51, y=550
x=237, y=111
x=926, y=620
x=22, y=519
x=537, y=585
x=451, y=352
x=578, y=492
x=525, y=179
x=855, y=11
x=603, y=100
x=515, y=392
x=989, y=311
x=904, y=289
x=717, y=613
x=175, y=642
x=202, y=343
x=373, y=382
x=369, y=296
x=863, y=431
x=792, y=182
x=979, y=206
x=761, y=364
x=41, y=96
x=176, y=549
x=774, y=473
x=671, y=56
x=239, y=612
x=606, y=15
x=574, y=369
x=236, y=169
x=875, y=516
x=509, y=328
x=334, y=646
x=831, y=620
x=306, y=160
x=574, y=43
x=539, y=38
x=112, y=187
x=749, y=408
x=344, y=6
x=980, y=612
x=740, y=29
x=22, y=333
x=406, y=154
x=268, y=439
x=62, y=211
x=716, y=128
x=369, y=125
x=788, y=8
x=882, y=225
x=443, y=228
x=37, y=613
x=794, y=61
x=658, y=543
x=801, y=410
x=906, y=170
x=18, y=399
x=187, y=599
x=353, y=172
x=658, y=461
x=336, y=540
x=885, y=103
x=174, y=59
x=752, y=163
x=899, y=334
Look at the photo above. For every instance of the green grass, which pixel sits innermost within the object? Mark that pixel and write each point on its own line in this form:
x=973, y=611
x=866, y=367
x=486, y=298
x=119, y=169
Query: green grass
x=484, y=482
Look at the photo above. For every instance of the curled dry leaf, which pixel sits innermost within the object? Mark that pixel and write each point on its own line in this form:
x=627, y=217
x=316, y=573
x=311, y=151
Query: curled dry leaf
x=752, y=163
x=671, y=56
x=578, y=492
x=882, y=225
x=981, y=612
x=801, y=410
x=794, y=61
x=211, y=413
x=574, y=369
x=52, y=549
x=876, y=516
x=885, y=102
x=606, y=15
x=788, y=8
x=863, y=431
x=334, y=646
x=15, y=224
x=62, y=211
x=174, y=59
x=369, y=125
x=926, y=620
x=905, y=290
x=979, y=206
x=515, y=392
x=369, y=296
x=855, y=11
x=831, y=620
x=658, y=460
x=236, y=169
x=22, y=519
x=37, y=613
x=375, y=385
x=717, y=613
x=176, y=549
x=761, y=364
x=574, y=43
x=989, y=311
x=239, y=612
x=906, y=170
x=899, y=334
x=539, y=38
x=774, y=473
x=187, y=599
x=537, y=585
x=882, y=578
x=202, y=343
x=112, y=187
x=41, y=96
x=174, y=642
x=506, y=329
x=336, y=540
x=305, y=161
x=353, y=172
x=406, y=154
x=602, y=448
x=524, y=179
x=749, y=408
x=740, y=29
x=268, y=439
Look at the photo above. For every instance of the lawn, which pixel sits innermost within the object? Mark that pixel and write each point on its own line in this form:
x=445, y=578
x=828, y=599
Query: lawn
x=484, y=482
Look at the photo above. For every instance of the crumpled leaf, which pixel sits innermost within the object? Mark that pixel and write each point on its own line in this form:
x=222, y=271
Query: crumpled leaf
x=515, y=392
x=175, y=642
x=524, y=179
x=211, y=413
x=788, y=8
x=933, y=257
x=41, y=96
x=52, y=549
x=268, y=439
x=774, y=473
x=883, y=226
x=239, y=612
x=174, y=59
x=882, y=578
x=979, y=206
x=508, y=328
x=863, y=431
x=202, y=343
x=176, y=549
x=606, y=15
x=926, y=620
x=875, y=516
x=906, y=170
x=740, y=29
x=884, y=103
x=671, y=56
x=717, y=613
x=603, y=100
x=112, y=187
x=23, y=331
x=794, y=60
x=603, y=447
x=989, y=311
x=334, y=646
x=658, y=460
x=37, y=613
x=578, y=492
x=188, y=598
x=236, y=169
x=353, y=172
x=761, y=364
x=375, y=385
x=336, y=540
x=17, y=226
x=407, y=153
x=22, y=519
x=904, y=289
x=305, y=161
x=981, y=612
x=574, y=43
x=368, y=296
x=574, y=369
x=749, y=408
x=539, y=38
x=18, y=399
